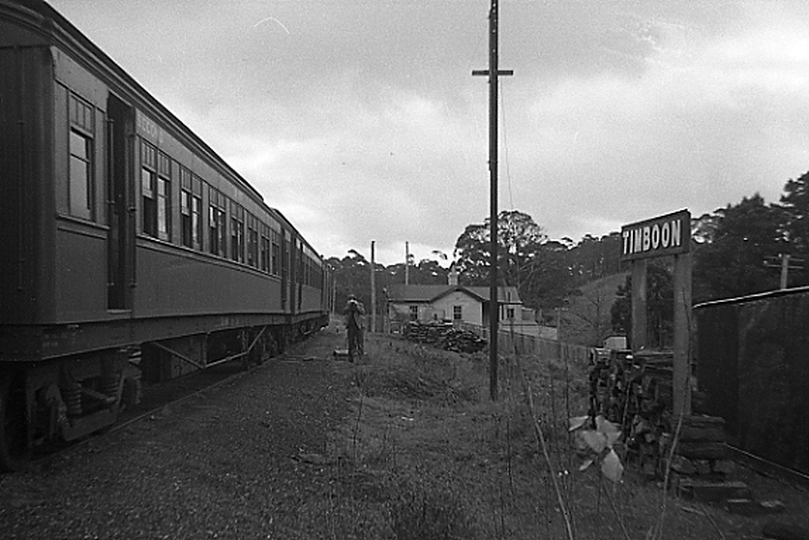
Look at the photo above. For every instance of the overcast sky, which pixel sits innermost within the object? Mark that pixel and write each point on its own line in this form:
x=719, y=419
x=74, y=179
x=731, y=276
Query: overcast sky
x=360, y=120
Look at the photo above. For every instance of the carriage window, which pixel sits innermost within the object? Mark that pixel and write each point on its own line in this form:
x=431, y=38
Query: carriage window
x=185, y=218
x=214, y=233
x=237, y=232
x=276, y=254
x=216, y=218
x=223, y=224
x=196, y=221
x=81, y=186
x=148, y=186
x=186, y=205
x=163, y=209
x=265, y=248
x=252, y=240
x=164, y=197
x=196, y=213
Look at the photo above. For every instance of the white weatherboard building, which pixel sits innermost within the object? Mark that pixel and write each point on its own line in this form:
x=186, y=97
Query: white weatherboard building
x=457, y=304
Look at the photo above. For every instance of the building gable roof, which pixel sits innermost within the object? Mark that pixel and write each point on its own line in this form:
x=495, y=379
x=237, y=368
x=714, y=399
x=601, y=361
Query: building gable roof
x=430, y=293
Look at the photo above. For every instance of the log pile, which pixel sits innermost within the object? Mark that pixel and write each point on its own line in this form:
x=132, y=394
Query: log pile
x=635, y=393
x=445, y=336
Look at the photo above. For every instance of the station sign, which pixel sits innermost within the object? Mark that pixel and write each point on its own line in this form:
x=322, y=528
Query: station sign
x=657, y=237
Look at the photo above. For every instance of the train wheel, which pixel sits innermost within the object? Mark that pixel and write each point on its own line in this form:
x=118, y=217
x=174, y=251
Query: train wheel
x=14, y=449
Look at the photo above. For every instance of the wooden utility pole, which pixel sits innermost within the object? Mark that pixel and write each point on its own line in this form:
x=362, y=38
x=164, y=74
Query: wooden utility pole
x=785, y=262
x=373, y=287
x=407, y=263
x=494, y=309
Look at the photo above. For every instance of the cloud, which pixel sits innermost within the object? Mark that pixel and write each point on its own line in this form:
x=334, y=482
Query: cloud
x=698, y=128
x=361, y=120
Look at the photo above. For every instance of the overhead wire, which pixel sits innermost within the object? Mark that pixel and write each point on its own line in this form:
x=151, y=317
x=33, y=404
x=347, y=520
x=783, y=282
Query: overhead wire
x=505, y=143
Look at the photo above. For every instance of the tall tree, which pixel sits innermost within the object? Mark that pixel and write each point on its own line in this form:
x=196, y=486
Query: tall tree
x=795, y=205
x=519, y=241
x=733, y=263
x=550, y=279
x=352, y=275
x=594, y=258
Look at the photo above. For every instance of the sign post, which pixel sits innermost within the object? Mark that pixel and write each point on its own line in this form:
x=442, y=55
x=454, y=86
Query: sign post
x=668, y=235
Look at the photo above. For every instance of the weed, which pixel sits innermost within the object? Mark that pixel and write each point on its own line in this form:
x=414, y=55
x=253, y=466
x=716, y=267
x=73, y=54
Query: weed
x=421, y=511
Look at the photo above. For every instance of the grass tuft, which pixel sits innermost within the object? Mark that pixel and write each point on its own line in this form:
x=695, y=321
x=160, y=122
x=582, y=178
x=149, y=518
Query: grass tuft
x=421, y=511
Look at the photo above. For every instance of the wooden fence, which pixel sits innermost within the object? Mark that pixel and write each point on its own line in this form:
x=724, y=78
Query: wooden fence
x=523, y=344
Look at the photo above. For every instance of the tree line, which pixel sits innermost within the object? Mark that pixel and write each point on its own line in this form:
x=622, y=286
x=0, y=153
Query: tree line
x=737, y=251
x=545, y=271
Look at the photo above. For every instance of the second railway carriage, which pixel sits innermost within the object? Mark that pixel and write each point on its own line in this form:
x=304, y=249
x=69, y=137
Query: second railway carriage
x=130, y=249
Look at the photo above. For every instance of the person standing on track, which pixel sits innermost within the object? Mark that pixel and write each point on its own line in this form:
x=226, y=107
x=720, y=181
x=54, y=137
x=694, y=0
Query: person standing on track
x=354, y=312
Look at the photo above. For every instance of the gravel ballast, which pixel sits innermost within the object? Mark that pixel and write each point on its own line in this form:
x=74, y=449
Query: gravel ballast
x=246, y=459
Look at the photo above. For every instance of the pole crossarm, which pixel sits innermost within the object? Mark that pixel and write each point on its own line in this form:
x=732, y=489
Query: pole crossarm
x=485, y=72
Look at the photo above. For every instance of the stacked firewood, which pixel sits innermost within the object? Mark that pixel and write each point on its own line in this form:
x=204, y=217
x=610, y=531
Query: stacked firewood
x=635, y=393
x=444, y=336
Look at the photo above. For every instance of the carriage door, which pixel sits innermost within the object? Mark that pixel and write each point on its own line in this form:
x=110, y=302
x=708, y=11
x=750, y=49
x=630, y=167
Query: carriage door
x=120, y=241
x=293, y=273
x=284, y=269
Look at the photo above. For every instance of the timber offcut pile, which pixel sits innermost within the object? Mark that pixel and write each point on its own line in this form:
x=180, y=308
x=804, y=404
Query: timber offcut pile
x=445, y=336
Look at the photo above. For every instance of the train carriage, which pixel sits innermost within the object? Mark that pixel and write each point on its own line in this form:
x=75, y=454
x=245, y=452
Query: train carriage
x=131, y=250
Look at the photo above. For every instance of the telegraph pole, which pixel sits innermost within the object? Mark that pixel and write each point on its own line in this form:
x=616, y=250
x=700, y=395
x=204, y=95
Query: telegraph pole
x=407, y=263
x=494, y=309
x=373, y=287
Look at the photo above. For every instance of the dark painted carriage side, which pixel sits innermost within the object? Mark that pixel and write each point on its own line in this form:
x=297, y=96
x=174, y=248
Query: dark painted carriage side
x=129, y=247
x=753, y=366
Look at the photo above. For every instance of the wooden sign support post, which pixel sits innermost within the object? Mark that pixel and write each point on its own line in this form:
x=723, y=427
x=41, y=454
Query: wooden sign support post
x=682, y=334
x=668, y=235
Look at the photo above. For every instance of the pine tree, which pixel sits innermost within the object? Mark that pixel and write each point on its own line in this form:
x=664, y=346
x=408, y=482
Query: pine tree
x=795, y=205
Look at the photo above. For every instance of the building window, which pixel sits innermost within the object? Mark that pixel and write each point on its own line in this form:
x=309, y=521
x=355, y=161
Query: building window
x=414, y=313
x=457, y=313
x=80, y=185
x=510, y=313
x=148, y=186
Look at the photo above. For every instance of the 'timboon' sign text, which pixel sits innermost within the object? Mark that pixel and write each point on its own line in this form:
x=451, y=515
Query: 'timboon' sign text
x=657, y=237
